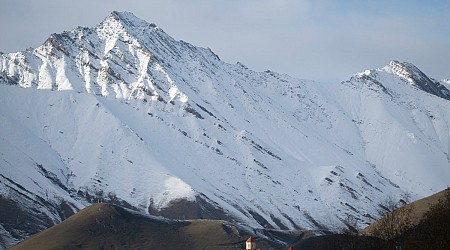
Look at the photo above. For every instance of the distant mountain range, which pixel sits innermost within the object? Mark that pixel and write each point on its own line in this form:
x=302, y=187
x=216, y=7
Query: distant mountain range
x=123, y=113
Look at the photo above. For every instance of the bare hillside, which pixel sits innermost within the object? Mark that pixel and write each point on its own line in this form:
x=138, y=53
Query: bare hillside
x=104, y=226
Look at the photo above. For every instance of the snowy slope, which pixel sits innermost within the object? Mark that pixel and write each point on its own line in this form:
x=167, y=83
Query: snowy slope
x=122, y=112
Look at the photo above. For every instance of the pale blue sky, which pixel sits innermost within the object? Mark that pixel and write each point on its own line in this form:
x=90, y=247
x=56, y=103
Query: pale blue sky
x=324, y=40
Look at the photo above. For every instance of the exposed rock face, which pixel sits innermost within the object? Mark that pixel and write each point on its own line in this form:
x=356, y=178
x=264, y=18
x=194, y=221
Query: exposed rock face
x=415, y=77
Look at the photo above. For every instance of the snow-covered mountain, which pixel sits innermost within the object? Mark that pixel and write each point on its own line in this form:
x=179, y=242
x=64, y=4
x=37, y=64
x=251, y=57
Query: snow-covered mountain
x=124, y=113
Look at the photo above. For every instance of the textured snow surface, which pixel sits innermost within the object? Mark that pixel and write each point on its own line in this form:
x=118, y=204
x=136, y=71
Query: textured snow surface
x=124, y=109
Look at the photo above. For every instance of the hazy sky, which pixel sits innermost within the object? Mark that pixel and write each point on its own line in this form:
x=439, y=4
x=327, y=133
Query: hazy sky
x=324, y=40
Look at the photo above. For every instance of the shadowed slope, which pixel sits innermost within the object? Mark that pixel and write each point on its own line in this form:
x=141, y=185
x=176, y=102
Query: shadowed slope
x=105, y=226
x=418, y=210
x=428, y=228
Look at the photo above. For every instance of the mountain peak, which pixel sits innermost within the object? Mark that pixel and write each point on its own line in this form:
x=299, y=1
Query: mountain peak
x=405, y=70
x=414, y=76
x=125, y=21
x=129, y=19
